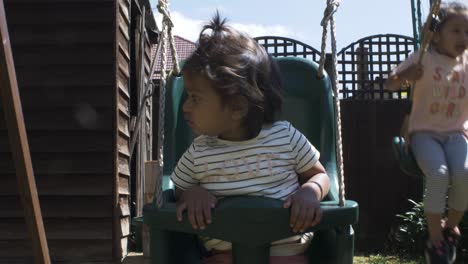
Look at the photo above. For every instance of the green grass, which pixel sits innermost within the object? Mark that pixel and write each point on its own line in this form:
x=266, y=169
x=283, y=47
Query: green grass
x=382, y=259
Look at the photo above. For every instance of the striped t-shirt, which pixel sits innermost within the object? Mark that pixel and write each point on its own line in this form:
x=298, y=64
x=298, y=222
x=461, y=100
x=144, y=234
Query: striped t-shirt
x=267, y=165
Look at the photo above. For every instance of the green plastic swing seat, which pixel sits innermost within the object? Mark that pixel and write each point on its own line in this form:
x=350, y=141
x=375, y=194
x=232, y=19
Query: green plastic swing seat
x=405, y=157
x=252, y=223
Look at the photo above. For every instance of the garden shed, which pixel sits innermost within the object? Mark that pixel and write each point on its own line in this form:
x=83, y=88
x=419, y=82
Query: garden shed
x=81, y=67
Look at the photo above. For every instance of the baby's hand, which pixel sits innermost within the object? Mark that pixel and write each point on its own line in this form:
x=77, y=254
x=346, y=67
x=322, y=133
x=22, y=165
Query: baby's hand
x=198, y=202
x=305, y=209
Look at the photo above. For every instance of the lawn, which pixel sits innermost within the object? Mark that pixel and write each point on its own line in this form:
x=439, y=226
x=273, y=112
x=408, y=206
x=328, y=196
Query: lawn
x=380, y=259
x=137, y=258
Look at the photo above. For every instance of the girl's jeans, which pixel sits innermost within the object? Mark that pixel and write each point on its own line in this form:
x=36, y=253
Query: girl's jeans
x=444, y=161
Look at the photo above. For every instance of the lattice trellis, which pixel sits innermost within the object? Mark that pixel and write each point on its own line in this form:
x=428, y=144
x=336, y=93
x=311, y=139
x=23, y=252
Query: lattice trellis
x=286, y=47
x=363, y=66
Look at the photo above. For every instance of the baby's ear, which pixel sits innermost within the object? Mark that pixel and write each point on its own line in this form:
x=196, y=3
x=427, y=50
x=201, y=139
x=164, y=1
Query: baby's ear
x=239, y=107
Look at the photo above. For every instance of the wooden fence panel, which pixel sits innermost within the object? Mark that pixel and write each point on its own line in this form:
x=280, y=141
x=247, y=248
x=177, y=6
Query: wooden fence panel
x=372, y=173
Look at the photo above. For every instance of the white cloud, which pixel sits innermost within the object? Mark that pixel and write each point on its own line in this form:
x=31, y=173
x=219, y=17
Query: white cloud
x=190, y=28
x=210, y=10
x=256, y=30
x=183, y=26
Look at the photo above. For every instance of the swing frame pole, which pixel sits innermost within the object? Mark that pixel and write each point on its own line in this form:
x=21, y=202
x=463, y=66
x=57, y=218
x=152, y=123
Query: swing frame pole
x=415, y=24
x=19, y=146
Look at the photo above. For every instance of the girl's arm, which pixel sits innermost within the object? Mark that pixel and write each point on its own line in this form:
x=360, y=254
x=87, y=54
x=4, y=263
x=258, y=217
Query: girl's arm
x=316, y=179
x=412, y=73
x=305, y=202
x=190, y=196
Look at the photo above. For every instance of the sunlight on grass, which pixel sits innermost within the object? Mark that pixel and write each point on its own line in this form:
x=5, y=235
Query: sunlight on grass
x=380, y=259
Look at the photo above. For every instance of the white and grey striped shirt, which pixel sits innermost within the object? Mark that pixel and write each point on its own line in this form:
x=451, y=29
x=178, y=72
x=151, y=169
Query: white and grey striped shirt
x=267, y=165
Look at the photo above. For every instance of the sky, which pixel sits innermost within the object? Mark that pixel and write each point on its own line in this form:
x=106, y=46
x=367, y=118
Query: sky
x=297, y=19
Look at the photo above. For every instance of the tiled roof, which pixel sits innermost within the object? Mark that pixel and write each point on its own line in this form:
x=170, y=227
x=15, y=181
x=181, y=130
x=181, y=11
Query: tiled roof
x=184, y=49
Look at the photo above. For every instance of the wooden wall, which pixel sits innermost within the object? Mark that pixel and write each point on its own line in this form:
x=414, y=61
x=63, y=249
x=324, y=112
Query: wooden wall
x=75, y=97
x=122, y=119
x=372, y=174
x=141, y=60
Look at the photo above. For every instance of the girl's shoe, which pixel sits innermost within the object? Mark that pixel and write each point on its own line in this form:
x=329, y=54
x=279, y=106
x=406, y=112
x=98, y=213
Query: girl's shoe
x=452, y=238
x=437, y=254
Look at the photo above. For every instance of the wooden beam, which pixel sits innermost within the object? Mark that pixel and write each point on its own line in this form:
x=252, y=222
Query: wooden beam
x=150, y=178
x=19, y=145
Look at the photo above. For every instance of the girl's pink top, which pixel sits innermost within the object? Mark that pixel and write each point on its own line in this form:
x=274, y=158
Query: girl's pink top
x=440, y=101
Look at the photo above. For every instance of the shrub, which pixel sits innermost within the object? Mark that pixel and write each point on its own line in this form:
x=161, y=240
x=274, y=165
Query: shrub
x=408, y=237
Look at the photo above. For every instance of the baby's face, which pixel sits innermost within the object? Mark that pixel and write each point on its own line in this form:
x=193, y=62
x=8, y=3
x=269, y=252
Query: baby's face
x=203, y=109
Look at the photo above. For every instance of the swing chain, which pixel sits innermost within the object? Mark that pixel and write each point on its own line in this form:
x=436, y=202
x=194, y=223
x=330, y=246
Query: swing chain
x=332, y=6
x=330, y=11
x=431, y=26
x=166, y=35
x=163, y=8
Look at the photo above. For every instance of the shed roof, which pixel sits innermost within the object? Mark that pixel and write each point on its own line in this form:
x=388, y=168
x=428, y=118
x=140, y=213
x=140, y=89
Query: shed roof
x=184, y=49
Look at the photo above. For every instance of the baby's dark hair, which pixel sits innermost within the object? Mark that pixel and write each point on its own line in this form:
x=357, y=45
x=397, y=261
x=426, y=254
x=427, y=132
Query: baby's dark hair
x=238, y=66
